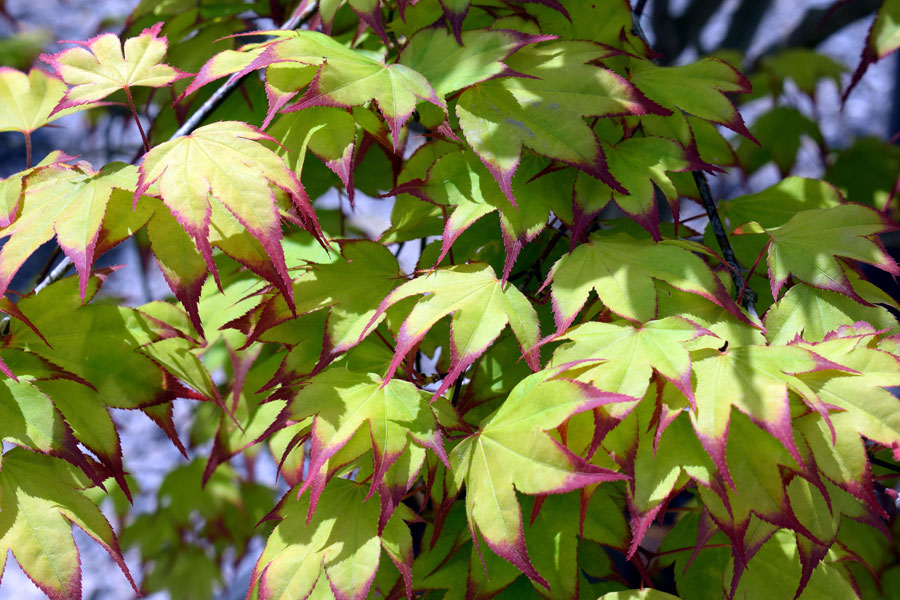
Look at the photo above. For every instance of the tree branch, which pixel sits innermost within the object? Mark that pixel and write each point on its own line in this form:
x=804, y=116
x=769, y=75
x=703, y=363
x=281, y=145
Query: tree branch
x=747, y=295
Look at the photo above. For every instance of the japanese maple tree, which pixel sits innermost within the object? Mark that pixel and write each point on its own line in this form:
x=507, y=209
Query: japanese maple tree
x=569, y=391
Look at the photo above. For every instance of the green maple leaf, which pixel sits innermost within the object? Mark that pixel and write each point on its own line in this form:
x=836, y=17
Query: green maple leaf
x=808, y=244
x=40, y=499
x=883, y=39
x=460, y=180
x=343, y=402
x=98, y=68
x=510, y=452
x=812, y=313
x=68, y=202
x=698, y=89
x=660, y=465
x=349, y=288
x=481, y=306
x=756, y=380
x=758, y=466
x=772, y=207
x=867, y=409
x=478, y=55
x=640, y=165
x=622, y=270
x=328, y=132
x=546, y=110
x=224, y=164
x=343, y=77
x=341, y=543
x=98, y=343
x=27, y=101
x=626, y=355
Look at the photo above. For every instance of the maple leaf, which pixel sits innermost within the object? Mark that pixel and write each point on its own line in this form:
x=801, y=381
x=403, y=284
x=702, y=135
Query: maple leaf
x=510, y=452
x=883, y=39
x=349, y=288
x=626, y=355
x=756, y=380
x=225, y=163
x=27, y=102
x=41, y=497
x=698, y=89
x=808, y=244
x=68, y=202
x=481, y=306
x=545, y=109
x=460, y=180
x=342, y=402
x=98, y=67
x=329, y=133
x=812, y=313
x=640, y=165
x=622, y=270
x=341, y=541
x=450, y=66
x=867, y=409
x=343, y=77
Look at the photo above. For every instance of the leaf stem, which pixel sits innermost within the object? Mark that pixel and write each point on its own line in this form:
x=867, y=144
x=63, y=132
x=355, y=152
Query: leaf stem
x=137, y=119
x=27, y=149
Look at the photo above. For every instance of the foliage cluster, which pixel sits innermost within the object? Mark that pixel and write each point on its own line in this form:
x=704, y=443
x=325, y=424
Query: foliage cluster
x=574, y=394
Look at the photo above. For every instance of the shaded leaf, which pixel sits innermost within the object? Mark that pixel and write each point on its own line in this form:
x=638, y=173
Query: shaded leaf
x=510, y=452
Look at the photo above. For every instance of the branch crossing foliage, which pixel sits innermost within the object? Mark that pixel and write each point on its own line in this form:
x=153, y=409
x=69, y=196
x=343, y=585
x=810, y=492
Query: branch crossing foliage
x=561, y=369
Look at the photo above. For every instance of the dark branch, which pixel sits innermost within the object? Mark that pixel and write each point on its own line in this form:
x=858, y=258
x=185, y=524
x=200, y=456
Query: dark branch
x=748, y=298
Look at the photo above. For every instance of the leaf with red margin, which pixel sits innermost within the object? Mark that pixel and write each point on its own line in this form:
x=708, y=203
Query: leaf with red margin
x=883, y=39
x=341, y=543
x=756, y=380
x=98, y=343
x=450, y=66
x=809, y=243
x=776, y=568
x=342, y=402
x=660, y=468
x=27, y=101
x=180, y=262
x=698, y=89
x=41, y=498
x=545, y=108
x=350, y=288
x=90, y=422
x=623, y=356
x=867, y=408
x=329, y=133
x=460, y=180
x=481, y=306
x=640, y=165
x=511, y=453
x=758, y=465
x=11, y=187
x=622, y=271
x=224, y=162
x=98, y=68
x=68, y=202
x=345, y=78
